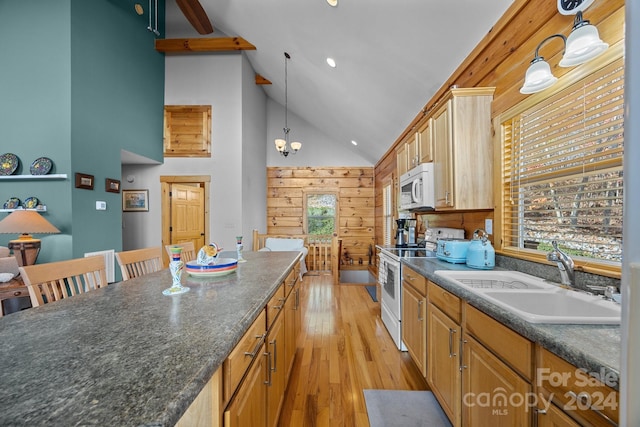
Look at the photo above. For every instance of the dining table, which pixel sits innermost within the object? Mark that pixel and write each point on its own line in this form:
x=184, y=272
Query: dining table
x=125, y=354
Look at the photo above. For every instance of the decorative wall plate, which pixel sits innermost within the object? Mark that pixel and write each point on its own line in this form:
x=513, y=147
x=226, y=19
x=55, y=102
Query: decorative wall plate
x=12, y=203
x=8, y=163
x=41, y=166
x=30, y=202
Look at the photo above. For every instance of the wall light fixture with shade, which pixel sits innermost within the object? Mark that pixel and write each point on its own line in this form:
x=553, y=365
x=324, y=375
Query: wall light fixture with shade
x=582, y=45
x=24, y=222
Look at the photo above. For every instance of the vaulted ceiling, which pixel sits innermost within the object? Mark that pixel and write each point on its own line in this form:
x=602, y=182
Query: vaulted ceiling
x=391, y=56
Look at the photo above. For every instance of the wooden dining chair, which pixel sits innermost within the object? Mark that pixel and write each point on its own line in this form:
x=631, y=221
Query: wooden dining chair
x=188, y=251
x=139, y=262
x=54, y=281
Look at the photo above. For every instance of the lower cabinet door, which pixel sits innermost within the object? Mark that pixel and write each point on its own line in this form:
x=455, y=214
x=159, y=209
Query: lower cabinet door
x=277, y=370
x=555, y=417
x=493, y=394
x=443, y=373
x=249, y=406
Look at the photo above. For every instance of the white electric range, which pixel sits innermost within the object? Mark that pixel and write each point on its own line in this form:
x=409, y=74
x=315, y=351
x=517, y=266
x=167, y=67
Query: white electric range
x=390, y=277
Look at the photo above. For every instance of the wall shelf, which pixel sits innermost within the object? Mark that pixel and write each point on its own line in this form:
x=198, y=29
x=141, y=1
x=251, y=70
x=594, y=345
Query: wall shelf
x=51, y=176
x=41, y=209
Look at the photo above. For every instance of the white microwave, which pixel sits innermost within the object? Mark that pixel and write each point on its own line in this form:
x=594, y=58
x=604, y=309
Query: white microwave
x=417, y=190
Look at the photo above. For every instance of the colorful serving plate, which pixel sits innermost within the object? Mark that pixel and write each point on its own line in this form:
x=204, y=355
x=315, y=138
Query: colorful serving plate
x=222, y=267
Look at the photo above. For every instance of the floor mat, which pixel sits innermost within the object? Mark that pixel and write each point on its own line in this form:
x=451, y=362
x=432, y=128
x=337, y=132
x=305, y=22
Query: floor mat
x=404, y=408
x=372, y=291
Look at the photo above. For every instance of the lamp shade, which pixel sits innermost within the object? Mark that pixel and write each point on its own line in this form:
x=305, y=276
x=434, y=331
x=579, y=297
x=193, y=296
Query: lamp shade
x=538, y=77
x=26, y=222
x=583, y=44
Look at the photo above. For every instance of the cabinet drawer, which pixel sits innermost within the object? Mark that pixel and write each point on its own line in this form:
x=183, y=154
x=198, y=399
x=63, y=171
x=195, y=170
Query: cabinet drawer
x=445, y=301
x=417, y=280
x=275, y=305
x=290, y=282
x=513, y=348
x=242, y=355
x=578, y=394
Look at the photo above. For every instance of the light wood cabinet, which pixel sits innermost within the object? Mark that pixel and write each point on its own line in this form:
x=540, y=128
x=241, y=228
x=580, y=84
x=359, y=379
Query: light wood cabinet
x=293, y=324
x=463, y=150
x=443, y=374
x=401, y=160
x=580, y=396
x=249, y=407
x=554, y=417
x=414, y=317
x=425, y=141
x=497, y=372
x=492, y=393
x=277, y=373
x=413, y=150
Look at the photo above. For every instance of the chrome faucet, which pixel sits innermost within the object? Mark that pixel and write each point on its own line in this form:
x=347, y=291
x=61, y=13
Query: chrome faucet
x=565, y=264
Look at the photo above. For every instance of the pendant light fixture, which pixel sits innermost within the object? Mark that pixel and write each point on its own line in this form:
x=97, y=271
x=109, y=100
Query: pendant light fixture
x=282, y=145
x=582, y=45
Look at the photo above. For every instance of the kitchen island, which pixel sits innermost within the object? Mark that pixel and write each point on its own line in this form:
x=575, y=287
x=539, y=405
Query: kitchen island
x=126, y=354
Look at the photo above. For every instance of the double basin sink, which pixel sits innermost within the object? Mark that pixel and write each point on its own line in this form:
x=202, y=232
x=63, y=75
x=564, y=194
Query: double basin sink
x=535, y=300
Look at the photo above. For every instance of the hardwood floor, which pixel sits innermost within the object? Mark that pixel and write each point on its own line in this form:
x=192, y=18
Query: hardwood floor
x=344, y=348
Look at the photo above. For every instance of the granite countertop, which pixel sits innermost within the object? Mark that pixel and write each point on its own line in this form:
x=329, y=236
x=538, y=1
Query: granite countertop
x=595, y=348
x=126, y=354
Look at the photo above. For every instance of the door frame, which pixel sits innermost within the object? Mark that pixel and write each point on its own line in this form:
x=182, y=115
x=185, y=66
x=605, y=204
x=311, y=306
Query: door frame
x=165, y=188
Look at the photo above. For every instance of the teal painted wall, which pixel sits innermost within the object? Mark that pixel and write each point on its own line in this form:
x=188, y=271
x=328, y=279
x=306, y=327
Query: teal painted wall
x=83, y=81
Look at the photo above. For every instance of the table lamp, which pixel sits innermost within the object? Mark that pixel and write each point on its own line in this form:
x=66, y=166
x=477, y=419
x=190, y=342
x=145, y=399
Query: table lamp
x=24, y=222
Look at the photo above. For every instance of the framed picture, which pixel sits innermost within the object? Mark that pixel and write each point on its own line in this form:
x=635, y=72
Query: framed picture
x=84, y=181
x=112, y=185
x=135, y=200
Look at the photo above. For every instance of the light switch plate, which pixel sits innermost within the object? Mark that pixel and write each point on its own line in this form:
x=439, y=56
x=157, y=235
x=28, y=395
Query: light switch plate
x=488, y=225
x=101, y=206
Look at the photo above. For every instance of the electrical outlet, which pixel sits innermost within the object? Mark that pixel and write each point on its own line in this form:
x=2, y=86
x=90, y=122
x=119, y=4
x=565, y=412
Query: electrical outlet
x=101, y=206
x=488, y=225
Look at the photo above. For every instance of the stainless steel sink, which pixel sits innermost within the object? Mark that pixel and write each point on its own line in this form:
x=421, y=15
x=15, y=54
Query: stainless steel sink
x=534, y=300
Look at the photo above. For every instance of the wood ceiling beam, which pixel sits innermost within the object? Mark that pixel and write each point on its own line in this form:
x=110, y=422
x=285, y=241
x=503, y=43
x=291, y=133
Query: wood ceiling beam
x=216, y=44
x=261, y=80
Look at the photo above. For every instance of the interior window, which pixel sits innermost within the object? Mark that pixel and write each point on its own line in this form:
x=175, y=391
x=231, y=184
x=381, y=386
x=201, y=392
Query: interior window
x=562, y=177
x=387, y=209
x=321, y=213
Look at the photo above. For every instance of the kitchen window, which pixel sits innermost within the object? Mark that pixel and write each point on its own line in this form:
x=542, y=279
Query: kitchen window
x=562, y=176
x=320, y=211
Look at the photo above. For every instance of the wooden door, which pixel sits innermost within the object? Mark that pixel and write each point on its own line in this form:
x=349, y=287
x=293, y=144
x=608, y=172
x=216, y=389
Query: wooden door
x=201, y=185
x=187, y=214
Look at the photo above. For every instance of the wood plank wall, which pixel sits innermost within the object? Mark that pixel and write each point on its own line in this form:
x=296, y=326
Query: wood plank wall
x=500, y=60
x=286, y=187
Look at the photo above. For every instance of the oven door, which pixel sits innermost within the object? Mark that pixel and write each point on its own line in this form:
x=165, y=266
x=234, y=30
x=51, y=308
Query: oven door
x=389, y=278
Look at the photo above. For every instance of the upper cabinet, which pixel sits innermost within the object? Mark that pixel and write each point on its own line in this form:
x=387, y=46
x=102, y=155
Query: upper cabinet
x=401, y=160
x=416, y=148
x=463, y=150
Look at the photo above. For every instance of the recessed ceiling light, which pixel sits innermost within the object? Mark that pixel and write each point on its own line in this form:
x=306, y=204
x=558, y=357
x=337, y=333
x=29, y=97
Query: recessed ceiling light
x=354, y=142
x=332, y=3
x=331, y=62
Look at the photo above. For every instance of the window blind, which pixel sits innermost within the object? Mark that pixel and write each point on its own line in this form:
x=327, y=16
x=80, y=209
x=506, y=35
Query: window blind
x=387, y=213
x=562, y=177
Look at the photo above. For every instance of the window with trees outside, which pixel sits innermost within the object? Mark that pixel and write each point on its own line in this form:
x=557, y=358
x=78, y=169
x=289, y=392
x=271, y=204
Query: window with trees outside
x=562, y=176
x=320, y=212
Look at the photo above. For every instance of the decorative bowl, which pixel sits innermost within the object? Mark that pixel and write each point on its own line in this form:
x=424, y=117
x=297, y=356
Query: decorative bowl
x=222, y=267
